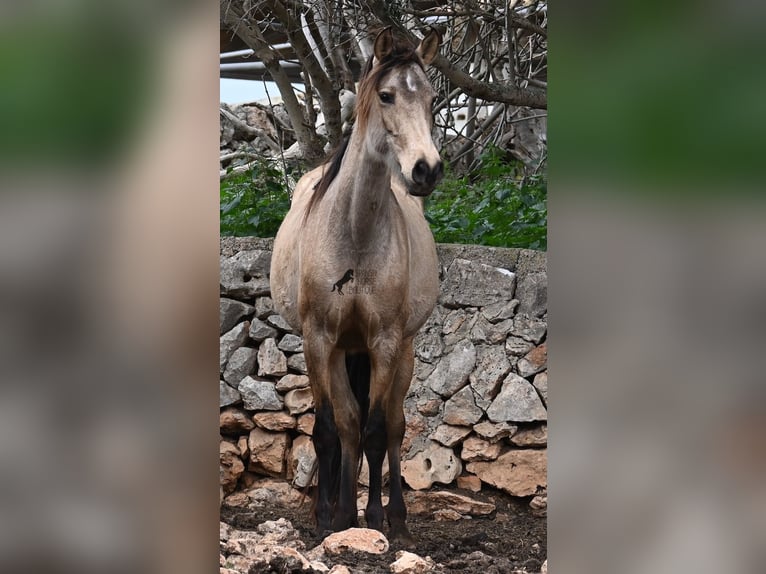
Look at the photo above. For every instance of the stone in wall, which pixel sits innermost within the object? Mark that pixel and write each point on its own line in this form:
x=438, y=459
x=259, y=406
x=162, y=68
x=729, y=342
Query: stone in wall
x=267, y=451
x=291, y=344
x=292, y=381
x=451, y=374
x=232, y=311
x=531, y=437
x=517, y=472
x=529, y=329
x=533, y=362
x=434, y=464
x=228, y=395
x=461, y=409
x=302, y=461
x=449, y=435
x=260, y=331
x=230, y=466
x=235, y=421
x=532, y=292
x=274, y=421
x=279, y=322
x=259, y=395
x=271, y=361
x=541, y=384
x=264, y=306
x=517, y=402
x=240, y=364
x=231, y=341
x=297, y=362
x=470, y=284
x=494, y=431
x=475, y=448
x=299, y=401
x=491, y=366
x=245, y=274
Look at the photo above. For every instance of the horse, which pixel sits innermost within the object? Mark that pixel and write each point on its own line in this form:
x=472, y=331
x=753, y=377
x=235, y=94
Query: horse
x=360, y=216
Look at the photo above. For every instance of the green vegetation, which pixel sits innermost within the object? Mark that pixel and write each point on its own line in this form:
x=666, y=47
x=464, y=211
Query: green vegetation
x=496, y=206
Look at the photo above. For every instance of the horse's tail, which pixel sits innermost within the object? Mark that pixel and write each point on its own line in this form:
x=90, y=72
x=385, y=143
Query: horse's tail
x=359, y=371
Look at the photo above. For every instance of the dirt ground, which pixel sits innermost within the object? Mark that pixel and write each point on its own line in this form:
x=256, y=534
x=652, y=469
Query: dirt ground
x=509, y=539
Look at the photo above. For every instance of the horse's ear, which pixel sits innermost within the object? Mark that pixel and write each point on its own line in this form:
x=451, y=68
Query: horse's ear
x=384, y=43
x=429, y=46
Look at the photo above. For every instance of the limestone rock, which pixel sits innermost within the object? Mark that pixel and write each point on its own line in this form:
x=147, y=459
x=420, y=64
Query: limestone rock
x=259, y=395
x=428, y=344
x=447, y=514
x=264, y=306
x=234, y=421
x=484, y=332
x=427, y=403
x=232, y=311
x=539, y=505
x=279, y=322
x=449, y=435
x=426, y=503
x=491, y=366
x=517, y=402
x=536, y=436
x=451, y=374
x=532, y=292
x=271, y=361
x=475, y=448
x=457, y=327
x=493, y=432
x=355, y=540
x=301, y=461
x=299, y=401
x=267, y=451
x=274, y=421
x=231, y=341
x=409, y=563
x=291, y=343
x=541, y=384
x=469, y=482
x=500, y=311
x=529, y=329
x=244, y=450
x=435, y=464
x=471, y=284
x=423, y=369
x=291, y=381
x=241, y=364
x=340, y=569
x=517, y=472
x=306, y=423
x=534, y=361
x=230, y=466
x=297, y=362
x=461, y=409
x=227, y=396
x=544, y=567
x=267, y=492
x=260, y=330
x=517, y=346
x=245, y=274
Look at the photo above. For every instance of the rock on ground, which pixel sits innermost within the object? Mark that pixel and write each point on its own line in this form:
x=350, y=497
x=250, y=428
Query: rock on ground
x=355, y=540
x=409, y=563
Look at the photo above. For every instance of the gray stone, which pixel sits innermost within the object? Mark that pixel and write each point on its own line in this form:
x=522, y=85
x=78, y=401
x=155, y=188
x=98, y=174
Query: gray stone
x=457, y=327
x=535, y=436
x=271, y=361
x=279, y=322
x=297, y=363
x=471, y=284
x=241, y=363
x=259, y=395
x=451, y=374
x=449, y=435
x=429, y=345
x=461, y=409
x=517, y=346
x=485, y=332
x=422, y=369
x=264, y=306
x=541, y=384
x=428, y=402
x=232, y=311
x=231, y=341
x=260, y=330
x=532, y=292
x=491, y=366
x=494, y=431
x=500, y=311
x=301, y=461
x=291, y=381
x=528, y=328
x=227, y=396
x=534, y=361
x=291, y=343
x=246, y=274
x=517, y=402
x=299, y=401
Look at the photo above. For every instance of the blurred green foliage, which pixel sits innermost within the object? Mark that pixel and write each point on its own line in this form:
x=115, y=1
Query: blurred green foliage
x=497, y=205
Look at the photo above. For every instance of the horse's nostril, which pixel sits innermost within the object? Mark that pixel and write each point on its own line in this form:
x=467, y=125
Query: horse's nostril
x=420, y=172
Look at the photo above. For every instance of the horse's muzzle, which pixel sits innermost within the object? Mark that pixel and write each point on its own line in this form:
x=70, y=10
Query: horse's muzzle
x=425, y=178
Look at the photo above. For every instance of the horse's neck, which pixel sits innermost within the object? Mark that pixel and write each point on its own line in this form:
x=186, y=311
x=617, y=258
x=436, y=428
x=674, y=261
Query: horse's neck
x=365, y=195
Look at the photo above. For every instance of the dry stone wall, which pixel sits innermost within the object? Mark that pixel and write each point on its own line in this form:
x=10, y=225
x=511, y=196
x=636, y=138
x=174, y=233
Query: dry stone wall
x=477, y=406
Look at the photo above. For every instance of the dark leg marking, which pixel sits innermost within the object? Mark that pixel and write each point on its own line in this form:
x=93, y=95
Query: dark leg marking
x=327, y=445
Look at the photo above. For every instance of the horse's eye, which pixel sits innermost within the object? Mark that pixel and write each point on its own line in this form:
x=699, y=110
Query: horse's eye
x=386, y=97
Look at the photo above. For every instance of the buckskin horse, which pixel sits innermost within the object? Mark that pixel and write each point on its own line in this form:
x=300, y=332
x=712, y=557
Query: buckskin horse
x=360, y=215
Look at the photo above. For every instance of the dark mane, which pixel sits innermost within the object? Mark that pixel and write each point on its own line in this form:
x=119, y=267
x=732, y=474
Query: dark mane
x=402, y=53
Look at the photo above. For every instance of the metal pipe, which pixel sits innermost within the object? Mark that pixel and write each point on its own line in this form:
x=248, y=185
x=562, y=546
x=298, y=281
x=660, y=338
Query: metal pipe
x=256, y=65
x=248, y=52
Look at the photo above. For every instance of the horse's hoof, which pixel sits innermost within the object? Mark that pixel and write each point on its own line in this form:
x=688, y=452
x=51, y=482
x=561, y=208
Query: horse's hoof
x=401, y=538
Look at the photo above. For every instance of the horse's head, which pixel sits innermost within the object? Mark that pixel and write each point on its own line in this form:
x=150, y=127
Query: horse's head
x=394, y=108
